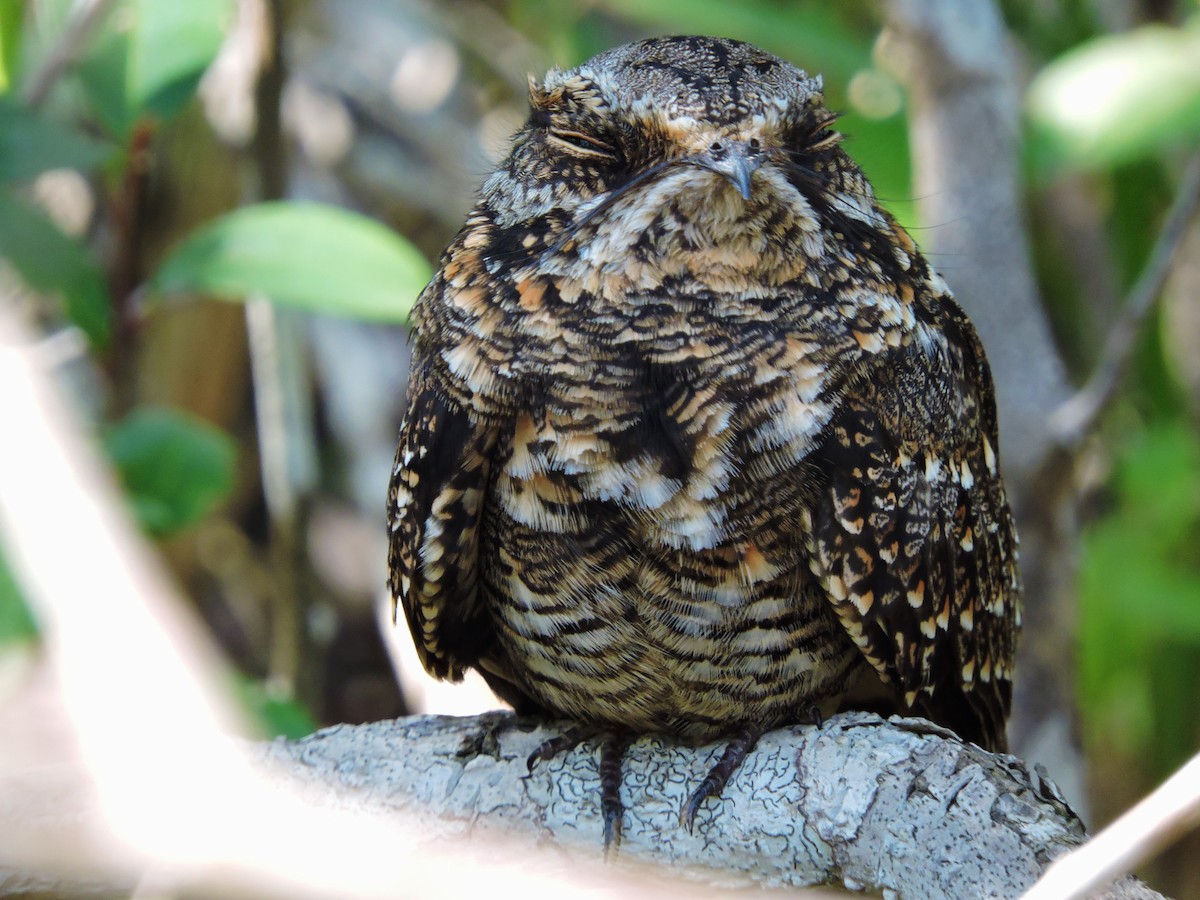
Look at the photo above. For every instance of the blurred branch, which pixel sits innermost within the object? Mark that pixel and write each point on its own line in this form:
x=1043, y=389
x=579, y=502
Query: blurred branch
x=85, y=18
x=128, y=205
x=1139, y=833
x=279, y=367
x=283, y=417
x=1075, y=419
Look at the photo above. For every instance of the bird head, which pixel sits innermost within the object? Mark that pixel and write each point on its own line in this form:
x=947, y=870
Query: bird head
x=685, y=155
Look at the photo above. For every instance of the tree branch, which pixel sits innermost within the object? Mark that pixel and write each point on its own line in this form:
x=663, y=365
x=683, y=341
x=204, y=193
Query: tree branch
x=1074, y=420
x=898, y=807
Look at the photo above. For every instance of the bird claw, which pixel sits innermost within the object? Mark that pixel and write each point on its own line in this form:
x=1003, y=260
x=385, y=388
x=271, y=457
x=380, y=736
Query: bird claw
x=814, y=715
x=613, y=745
x=718, y=776
x=708, y=788
x=486, y=741
x=613, y=826
x=560, y=743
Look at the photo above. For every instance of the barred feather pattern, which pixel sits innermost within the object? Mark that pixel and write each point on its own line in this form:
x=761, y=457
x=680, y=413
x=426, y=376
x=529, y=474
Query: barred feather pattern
x=685, y=452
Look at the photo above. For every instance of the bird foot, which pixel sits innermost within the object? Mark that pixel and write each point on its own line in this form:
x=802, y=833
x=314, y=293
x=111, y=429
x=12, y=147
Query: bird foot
x=561, y=743
x=814, y=716
x=613, y=744
x=485, y=741
x=718, y=776
x=612, y=751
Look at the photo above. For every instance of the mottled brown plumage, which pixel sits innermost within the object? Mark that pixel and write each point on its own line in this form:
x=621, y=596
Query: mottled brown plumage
x=697, y=441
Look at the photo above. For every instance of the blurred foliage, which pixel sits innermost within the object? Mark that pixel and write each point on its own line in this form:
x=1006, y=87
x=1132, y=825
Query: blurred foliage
x=31, y=144
x=12, y=15
x=276, y=716
x=16, y=623
x=148, y=59
x=1113, y=100
x=51, y=262
x=137, y=73
x=175, y=467
x=1139, y=626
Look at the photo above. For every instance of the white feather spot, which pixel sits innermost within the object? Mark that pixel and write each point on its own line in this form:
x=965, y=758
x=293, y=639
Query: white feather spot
x=989, y=455
x=933, y=467
x=966, y=478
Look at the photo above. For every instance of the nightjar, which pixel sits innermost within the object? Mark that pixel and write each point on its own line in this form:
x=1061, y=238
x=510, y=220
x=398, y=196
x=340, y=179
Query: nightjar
x=697, y=442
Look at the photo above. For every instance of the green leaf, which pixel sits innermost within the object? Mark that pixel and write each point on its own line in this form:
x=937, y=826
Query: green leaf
x=305, y=255
x=149, y=57
x=102, y=75
x=12, y=17
x=1116, y=99
x=103, y=78
x=16, y=622
x=172, y=44
x=51, y=262
x=175, y=466
x=31, y=144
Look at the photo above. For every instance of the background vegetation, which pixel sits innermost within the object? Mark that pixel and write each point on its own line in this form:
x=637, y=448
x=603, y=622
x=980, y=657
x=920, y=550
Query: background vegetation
x=188, y=154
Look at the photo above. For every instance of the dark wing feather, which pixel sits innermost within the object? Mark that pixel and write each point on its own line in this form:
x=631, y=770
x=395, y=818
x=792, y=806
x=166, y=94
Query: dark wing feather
x=912, y=536
x=435, y=502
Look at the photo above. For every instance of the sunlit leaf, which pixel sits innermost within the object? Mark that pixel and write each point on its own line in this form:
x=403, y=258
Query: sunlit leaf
x=149, y=57
x=172, y=44
x=12, y=16
x=305, y=255
x=30, y=144
x=51, y=262
x=1116, y=98
x=174, y=466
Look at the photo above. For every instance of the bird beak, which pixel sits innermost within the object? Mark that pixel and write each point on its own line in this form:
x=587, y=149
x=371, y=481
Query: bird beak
x=733, y=160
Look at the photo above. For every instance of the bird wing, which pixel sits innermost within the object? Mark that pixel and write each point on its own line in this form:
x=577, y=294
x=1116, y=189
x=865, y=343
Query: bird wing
x=911, y=534
x=435, y=504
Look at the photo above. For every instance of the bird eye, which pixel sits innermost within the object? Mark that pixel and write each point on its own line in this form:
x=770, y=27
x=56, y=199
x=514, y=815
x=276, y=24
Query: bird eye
x=581, y=144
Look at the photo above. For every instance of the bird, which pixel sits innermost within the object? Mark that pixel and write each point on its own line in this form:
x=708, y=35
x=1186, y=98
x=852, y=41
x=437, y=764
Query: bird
x=697, y=443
